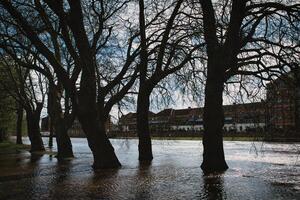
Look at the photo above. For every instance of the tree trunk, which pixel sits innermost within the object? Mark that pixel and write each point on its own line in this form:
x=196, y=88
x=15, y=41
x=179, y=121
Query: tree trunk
x=59, y=122
x=213, y=153
x=34, y=134
x=19, y=124
x=2, y=134
x=64, y=145
x=50, y=142
x=145, y=146
x=297, y=100
x=91, y=120
x=103, y=151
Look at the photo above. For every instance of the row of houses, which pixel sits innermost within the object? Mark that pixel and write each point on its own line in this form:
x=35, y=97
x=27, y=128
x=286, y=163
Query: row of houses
x=238, y=117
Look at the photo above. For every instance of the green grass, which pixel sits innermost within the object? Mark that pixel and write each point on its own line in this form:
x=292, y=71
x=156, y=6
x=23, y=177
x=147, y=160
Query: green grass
x=10, y=147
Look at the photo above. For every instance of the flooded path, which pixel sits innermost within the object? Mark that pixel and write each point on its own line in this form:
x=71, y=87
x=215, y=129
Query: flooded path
x=257, y=171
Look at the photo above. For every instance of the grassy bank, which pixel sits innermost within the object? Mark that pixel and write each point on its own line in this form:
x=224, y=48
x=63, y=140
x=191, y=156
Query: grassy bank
x=10, y=147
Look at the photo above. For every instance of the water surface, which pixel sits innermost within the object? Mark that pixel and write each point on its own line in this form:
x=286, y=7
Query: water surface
x=257, y=171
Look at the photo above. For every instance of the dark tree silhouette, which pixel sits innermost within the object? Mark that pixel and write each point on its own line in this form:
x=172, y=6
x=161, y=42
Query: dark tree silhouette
x=297, y=100
x=85, y=28
x=243, y=38
x=17, y=49
x=28, y=90
x=166, y=46
x=20, y=113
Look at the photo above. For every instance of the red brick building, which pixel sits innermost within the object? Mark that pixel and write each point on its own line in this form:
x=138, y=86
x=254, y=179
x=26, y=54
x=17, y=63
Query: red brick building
x=281, y=103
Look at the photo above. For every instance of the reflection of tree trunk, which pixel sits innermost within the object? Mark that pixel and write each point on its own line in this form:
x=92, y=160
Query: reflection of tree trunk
x=297, y=100
x=213, y=155
x=33, y=127
x=19, y=124
x=145, y=147
x=214, y=187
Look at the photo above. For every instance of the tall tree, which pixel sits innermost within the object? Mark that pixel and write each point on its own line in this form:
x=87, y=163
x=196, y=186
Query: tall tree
x=85, y=28
x=28, y=90
x=243, y=38
x=166, y=46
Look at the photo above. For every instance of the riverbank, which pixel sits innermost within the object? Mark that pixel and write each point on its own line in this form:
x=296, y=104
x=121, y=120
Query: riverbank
x=8, y=147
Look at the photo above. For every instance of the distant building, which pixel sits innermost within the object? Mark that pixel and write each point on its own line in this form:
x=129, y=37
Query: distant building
x=128, y=121
x=238, y=117
x=281, y=98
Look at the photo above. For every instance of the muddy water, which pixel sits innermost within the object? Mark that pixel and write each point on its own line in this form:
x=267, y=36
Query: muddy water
x=257, y=171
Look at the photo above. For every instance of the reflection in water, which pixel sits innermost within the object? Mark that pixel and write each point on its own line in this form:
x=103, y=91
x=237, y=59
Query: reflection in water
x=102, y=184
x=143, y=176
x=214, y=187
x=35, y=158
x=60, y=179
x=173, y=174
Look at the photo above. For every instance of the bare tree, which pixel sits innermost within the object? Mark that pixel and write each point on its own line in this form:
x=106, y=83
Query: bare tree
x=85, y=28
x=243, y=38
x=166, y=46
x=28, y=90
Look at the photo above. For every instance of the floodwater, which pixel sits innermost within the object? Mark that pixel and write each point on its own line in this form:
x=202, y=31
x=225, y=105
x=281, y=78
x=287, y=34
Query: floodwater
x=257, y=171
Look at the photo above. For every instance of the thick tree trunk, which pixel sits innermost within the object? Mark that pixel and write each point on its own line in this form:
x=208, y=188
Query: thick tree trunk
x=103, y=151
x=50, y=142
x=60, y=124
x=213, y=153
x=19, y=124
x=91, y=120
x=145, y=146
x=297, y=100
x=34, y=134
x=2, y=134
x=64, y=145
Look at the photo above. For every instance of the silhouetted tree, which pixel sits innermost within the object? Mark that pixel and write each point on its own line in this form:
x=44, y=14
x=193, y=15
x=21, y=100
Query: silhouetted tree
x=297, y=99
x=243, y=38
x=166, y=46
x=28, y=90
x=85, y=28
x=20, y=113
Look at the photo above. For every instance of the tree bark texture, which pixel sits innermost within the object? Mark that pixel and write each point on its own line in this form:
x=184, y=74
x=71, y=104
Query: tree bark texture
x=145, y=146
x=93, y=122
x=19, y=124
x=60, y=124
x=51, y=130
x=33, y=127
x=213, y=152
x=297, y=100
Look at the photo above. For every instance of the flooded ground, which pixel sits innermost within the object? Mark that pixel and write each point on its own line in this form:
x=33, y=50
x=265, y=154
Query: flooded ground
x=257, y=171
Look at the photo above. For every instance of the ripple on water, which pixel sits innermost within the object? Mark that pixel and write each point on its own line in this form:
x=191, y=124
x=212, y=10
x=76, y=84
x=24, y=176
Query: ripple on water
x=173, y=174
